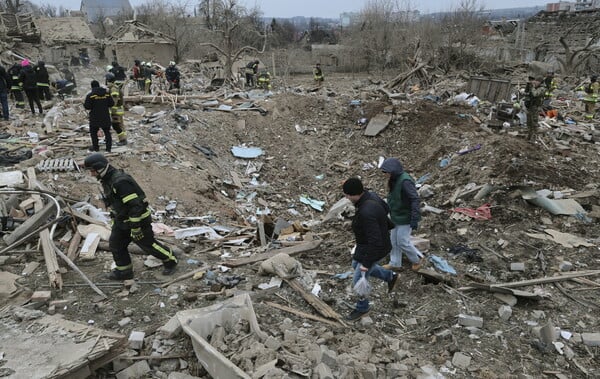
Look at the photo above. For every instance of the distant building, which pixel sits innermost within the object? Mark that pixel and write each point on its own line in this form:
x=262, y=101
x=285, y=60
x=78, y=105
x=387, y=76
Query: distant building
x=96, y=10
x=571, y=6
x=348, y=18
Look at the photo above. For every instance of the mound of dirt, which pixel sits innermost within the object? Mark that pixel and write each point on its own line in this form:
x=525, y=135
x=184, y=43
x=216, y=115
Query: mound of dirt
x=311, y=142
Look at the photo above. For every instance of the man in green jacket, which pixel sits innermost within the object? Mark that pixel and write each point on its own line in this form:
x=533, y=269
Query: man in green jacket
x=405, y=213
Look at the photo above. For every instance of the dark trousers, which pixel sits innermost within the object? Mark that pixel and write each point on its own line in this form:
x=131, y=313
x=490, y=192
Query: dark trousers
x=107, y=137
x=32, y=96
x=4, y=101
x=17, y=94
x=44, y=92
x=120, y=238
x=533, y=118
x=250, y=80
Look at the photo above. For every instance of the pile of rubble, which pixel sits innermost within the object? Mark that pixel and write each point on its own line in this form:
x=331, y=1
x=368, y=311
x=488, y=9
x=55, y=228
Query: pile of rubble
x=246, y=187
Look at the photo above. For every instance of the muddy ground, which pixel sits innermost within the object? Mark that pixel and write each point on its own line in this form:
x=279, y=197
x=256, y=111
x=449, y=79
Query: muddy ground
x=312, y=142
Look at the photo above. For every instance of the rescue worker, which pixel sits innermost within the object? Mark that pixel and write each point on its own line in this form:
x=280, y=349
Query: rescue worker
x=148, y=72
x=591, y=97
x=29, y=82
x=43, y=81
x=534, y=95
x=132, y=221
x=138, y=74
x=116, y=111
x=119, y=72
x=63, y=87
x=5, y=83
x=99, y=102
x=550, y=85
x=251, y=71
x=69, y=76
x=15, y=89
x=318, y=74
x=264, y=80
x=173, y=76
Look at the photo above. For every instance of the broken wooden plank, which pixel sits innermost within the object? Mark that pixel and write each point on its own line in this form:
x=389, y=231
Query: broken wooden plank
x=531, y=282
x=32, y=223
x=510, y=291
x=73, y=249
x=293, y=250
x=302, y=314
x=47, y=244
x=318, y=304
x=88, y=250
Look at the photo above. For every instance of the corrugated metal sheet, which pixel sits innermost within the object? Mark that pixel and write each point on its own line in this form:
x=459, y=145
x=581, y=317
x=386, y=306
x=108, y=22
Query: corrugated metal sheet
x=494, y=90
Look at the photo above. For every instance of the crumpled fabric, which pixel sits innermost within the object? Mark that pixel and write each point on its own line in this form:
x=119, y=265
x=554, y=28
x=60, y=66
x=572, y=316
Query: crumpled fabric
x=484, y=212
x=441, y=264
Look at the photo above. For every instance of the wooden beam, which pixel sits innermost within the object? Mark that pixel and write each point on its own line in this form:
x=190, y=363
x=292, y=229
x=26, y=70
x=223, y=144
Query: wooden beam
x=293, y=250
x=302, y=314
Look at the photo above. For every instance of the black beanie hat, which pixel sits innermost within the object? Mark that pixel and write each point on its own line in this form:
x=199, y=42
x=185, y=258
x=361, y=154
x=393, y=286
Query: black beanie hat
x=353, y=186
x=95, y=84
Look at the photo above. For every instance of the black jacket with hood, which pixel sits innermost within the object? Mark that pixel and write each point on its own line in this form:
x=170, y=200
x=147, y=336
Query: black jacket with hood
x=370, y=227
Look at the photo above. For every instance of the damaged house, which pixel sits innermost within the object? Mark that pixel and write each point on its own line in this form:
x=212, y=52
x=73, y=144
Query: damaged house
x=64, y=38
x=134, y=40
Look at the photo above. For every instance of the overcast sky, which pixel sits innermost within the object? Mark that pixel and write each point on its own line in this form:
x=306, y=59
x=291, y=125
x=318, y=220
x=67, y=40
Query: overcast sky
x=331, y=8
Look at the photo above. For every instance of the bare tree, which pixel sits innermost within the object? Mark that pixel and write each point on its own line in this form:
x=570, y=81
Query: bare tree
x=235, y=33
x=461, y=33
x=173, y=19
x=10, y=6
x=48, y=10
x=380, y=38
x=575, y=57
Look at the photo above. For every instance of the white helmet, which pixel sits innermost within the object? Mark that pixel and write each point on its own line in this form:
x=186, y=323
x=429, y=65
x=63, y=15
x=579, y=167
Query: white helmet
x=171, y=63
x=148, y=64
x=109, y=67
x=143, y=63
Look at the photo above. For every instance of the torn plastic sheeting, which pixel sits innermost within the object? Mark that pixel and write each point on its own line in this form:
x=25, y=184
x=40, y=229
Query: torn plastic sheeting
x=441, y=264
x=246, y=152
x=315, y=204
x=567, y=207
x=198, y=230
x=482, y=213
x=246, y=105
x=224, y=107
x=199, y=324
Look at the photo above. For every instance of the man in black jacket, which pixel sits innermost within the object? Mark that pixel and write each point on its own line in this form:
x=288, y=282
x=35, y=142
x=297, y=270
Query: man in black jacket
x=4, y=88
x=15, y=89
x=132, y=220
x=99, y=102
x=371, y=231
x=29, y=80
x=43, y=81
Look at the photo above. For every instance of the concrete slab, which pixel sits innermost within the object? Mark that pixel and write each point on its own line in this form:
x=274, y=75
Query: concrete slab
x=200, y=323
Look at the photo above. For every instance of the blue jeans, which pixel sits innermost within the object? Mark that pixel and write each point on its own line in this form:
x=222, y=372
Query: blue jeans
x=4, y=101
x=400, y=237
x=362, y=305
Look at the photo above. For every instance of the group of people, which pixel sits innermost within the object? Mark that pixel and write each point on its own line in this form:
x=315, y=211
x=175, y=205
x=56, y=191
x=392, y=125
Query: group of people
x=143, y=73
x=381, y=228
x=255, y=77
x=538, y=95
x=24, y=77
x=262, y=78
